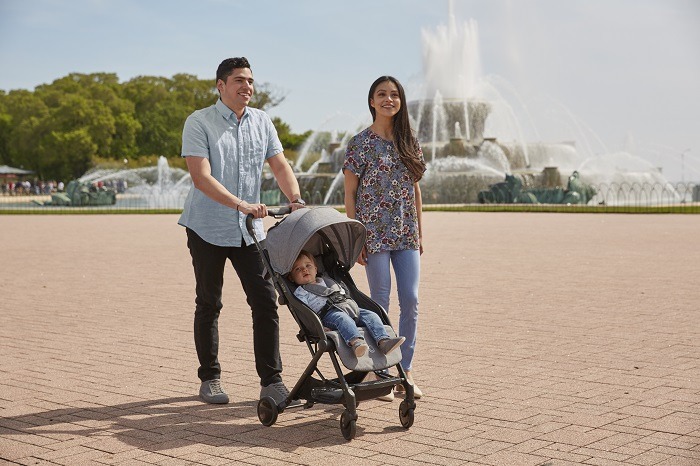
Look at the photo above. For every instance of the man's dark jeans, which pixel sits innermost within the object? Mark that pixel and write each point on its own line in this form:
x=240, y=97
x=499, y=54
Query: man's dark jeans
x=209, y=262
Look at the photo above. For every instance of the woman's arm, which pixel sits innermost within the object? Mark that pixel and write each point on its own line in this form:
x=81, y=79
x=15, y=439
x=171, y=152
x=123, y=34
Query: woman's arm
x=351, y=183
x=419, y=214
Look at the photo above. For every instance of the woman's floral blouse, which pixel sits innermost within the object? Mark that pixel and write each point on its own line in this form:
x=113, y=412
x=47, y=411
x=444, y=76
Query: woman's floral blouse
x=386, y=200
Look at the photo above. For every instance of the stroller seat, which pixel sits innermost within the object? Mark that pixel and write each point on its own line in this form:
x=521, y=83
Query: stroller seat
x=372, y=360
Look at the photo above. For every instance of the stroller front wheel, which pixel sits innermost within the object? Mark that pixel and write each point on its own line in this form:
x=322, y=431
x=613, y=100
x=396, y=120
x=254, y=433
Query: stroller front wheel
x=406, y=413
x=348, y=425
x=267, y=411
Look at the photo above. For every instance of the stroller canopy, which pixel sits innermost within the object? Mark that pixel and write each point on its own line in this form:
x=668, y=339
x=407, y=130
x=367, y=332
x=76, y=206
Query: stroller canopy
x=309, y=229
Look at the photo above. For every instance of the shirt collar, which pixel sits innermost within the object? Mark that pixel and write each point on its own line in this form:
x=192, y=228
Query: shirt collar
x=227, y=113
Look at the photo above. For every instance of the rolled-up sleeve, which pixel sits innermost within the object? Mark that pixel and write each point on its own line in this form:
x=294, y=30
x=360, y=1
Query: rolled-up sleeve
x=274, y=146
x=194, y=138
x=354, y=158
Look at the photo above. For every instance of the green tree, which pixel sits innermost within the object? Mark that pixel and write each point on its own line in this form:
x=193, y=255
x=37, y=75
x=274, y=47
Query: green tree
x=266, y=96
x=194, y=92
x=107, y=116
x=26, y=116
x=61, y=128
x=70, y=156
x=161, y=107
x=124, y=143
x=288, y=139
x=75, y=111
x=5, y=129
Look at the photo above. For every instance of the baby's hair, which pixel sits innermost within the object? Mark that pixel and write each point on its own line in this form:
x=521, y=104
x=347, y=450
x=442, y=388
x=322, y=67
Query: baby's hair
x=306, y=253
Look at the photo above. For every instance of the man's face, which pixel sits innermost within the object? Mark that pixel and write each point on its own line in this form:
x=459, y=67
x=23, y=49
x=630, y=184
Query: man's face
x=303, y=271
x=238, y=88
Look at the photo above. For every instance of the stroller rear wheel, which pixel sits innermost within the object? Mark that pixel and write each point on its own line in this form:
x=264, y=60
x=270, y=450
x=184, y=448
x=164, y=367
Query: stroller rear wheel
x=348, y=425
x=267, y=411
x=406, y=413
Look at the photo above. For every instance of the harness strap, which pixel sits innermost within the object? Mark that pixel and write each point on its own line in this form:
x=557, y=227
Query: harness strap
x=336, y=298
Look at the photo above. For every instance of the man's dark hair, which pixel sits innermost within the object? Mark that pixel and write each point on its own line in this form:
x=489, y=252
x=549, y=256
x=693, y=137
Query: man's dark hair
x=227, y=66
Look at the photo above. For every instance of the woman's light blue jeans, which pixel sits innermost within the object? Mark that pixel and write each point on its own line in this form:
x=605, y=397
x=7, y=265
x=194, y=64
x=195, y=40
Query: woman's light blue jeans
x=406, y=264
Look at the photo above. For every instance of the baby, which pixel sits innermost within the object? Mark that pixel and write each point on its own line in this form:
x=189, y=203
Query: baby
x=336, y=310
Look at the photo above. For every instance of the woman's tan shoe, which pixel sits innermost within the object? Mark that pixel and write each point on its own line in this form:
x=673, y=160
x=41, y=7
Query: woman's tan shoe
x=417, y=392
x=372, y=376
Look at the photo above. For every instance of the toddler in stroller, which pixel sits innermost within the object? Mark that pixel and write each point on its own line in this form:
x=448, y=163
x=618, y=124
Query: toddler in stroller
x=336, y=310
x=333, y=242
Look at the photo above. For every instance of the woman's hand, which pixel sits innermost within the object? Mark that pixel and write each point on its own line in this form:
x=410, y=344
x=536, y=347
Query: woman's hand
x=362, y=259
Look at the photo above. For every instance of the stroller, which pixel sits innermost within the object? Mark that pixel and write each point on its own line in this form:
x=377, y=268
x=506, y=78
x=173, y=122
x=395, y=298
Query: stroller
x=336, y=242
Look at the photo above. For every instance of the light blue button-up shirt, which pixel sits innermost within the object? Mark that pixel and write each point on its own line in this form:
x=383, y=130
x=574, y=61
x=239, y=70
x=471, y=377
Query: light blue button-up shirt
x=236, y=151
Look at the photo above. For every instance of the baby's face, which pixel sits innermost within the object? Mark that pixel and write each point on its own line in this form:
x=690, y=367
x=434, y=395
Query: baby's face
x=303, y=271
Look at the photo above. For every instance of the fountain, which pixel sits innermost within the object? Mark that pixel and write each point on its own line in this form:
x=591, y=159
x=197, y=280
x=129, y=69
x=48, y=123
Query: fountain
x=471, y=139
x=322, y=182
x=147, y=187
x=457, y=119
x=457, y=96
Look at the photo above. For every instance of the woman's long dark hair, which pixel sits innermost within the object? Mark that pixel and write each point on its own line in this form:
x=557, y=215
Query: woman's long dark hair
x=404, y=139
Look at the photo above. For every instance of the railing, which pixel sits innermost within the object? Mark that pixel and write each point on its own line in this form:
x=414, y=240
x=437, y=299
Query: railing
x=609, y=197
x=646, y=194
x=124, y=203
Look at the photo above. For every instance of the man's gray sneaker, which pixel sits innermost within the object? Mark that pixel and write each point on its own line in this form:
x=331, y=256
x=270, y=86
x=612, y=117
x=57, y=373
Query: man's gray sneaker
x=211, y=392
x=278, y=392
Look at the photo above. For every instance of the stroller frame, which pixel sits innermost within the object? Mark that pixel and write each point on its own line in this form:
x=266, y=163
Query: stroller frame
x=349, y=388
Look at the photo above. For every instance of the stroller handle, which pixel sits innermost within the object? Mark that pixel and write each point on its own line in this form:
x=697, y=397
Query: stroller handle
x=272, y=212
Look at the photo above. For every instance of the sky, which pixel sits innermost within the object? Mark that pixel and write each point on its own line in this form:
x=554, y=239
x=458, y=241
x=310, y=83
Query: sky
x=623, y=74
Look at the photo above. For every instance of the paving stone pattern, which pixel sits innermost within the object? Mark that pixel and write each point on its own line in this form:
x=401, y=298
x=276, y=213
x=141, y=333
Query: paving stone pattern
x=545, y=339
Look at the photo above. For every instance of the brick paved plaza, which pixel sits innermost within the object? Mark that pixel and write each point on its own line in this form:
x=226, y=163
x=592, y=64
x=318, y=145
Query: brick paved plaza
x=545, y=339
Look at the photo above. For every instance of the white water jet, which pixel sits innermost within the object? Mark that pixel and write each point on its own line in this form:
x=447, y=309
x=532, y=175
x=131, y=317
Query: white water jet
x=337, y=181
x=157, y=187
x=451, y=59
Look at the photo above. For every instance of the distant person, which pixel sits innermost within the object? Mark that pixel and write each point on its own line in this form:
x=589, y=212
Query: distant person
x=336, y=310
x=382, y=167
x=225, y=146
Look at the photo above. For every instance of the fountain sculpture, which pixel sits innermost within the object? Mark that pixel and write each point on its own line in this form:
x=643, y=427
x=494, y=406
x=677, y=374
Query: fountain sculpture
x=82, y=194
x=511, y=191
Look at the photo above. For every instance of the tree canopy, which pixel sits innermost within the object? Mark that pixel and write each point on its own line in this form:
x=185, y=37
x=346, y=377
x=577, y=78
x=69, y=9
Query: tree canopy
x=59, y=129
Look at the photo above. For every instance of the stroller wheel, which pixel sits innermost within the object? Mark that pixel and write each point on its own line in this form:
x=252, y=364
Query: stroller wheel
x=406, y=413
x=267, y=411
x=348, y=425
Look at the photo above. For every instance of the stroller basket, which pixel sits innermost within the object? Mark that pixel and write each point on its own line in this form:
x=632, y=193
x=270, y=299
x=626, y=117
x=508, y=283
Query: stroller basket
x=336, y=242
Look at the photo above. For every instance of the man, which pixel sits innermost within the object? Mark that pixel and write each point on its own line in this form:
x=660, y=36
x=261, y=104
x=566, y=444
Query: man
x=225, y=146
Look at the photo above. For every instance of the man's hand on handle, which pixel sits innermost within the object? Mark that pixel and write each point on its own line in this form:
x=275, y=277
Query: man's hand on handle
x=256, y=210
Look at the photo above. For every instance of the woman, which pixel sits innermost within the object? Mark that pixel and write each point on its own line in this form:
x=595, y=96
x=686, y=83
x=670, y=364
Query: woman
x=383, y=165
